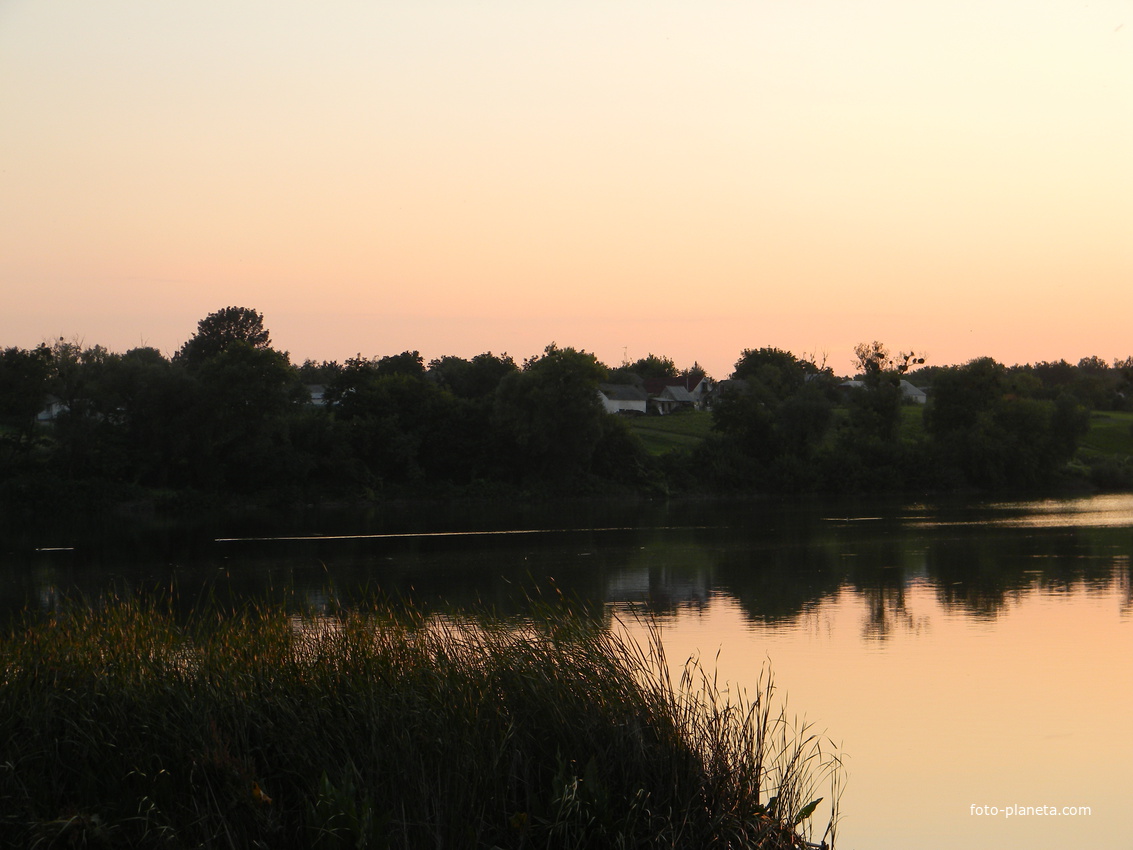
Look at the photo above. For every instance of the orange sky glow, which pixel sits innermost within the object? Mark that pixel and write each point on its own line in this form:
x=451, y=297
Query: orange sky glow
x=687, y=179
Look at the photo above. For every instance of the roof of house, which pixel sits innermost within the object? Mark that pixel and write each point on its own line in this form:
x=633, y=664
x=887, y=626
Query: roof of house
x=678, y=394
x=910, y=390
x=688, y=383
x=622, y=392
x=906, y=388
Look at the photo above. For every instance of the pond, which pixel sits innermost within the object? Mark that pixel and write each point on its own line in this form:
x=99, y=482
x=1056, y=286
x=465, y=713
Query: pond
x=972, y=661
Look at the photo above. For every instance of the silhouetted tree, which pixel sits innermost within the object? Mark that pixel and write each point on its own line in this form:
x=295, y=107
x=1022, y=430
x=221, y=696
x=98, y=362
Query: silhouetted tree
x=24, y=376
x=775, y=412
x=772, y=373
x=472, y=379
x=873, y=358
x=654, y=367
x=217, y=331
x=551, y=413
x=311, y=372
x=997, y=438
x=407, y=363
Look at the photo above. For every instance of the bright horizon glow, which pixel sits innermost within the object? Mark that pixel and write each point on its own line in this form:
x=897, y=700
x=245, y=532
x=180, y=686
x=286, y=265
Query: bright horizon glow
x=684, y=179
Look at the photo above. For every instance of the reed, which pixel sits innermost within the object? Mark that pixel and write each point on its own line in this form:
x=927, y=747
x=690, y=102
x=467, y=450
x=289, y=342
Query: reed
x=122, y=724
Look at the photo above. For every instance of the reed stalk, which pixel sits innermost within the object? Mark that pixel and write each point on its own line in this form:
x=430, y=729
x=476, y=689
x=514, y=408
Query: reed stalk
x=122, y=724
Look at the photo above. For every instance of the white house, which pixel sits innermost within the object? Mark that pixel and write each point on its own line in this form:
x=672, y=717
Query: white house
x=672, y=398
x=52, y=409
x=909, y=393
x=623, y=398
x=669, y=394
x=913, y=394
x=318, y=395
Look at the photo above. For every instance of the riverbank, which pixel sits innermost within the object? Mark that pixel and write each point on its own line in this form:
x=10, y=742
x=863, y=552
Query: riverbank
x=129, y=725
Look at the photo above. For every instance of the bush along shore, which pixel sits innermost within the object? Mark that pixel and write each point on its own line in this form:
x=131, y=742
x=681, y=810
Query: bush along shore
x=123, y=724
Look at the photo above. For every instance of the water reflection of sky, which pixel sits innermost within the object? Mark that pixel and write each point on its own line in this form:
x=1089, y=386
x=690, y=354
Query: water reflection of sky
x=1110, y=511
x=948, y=710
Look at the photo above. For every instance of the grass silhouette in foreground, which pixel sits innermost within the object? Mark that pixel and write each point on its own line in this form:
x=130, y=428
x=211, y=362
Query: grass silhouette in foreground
x=122, y=724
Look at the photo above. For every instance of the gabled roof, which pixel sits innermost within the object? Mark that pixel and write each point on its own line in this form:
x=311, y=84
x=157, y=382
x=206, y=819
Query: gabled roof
x=909, y=389
x=656, y=386
x=677, y=393
x=622, y=392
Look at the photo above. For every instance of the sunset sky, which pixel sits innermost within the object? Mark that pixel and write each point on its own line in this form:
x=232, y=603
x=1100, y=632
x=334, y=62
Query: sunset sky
x=689, y=179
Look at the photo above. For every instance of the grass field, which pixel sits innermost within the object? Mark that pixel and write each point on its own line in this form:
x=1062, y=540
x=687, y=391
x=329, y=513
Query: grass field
x=912, y=422
x=1110, y=434
x=684, y=430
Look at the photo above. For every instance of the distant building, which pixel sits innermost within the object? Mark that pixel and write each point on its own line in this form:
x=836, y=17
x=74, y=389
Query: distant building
x=913, y=394
x=623, y=398
x=909, y=393
x=688, y=391
x=318, y=394
x=52, y=408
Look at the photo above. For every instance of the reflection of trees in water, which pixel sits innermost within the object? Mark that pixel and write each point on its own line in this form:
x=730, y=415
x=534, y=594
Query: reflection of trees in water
x=662, y=588
x=1123, y=574
x=777, y=582
x=880, y=574
x=778, y=562
x=886, y=611
x=979, y=570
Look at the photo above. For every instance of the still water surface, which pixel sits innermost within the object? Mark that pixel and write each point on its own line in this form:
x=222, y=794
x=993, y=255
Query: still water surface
x=965, y=657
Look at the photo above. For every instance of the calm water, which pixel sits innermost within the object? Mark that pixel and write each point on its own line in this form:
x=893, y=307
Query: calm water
x=961, y=655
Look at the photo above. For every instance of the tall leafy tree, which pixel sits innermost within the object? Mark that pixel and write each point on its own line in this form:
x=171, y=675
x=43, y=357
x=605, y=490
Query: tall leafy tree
x=245, y=393
x=551, y=413
x=873, y=359
x=217, y=331
x=773, y=414
x=403, y=427
x=312, y=372
x=158, y=407
x=85, y=430
x=409, y=363
x=772, y=374
x=996, y=438
x=472, y=379
x=654, y=367
x=24, y=376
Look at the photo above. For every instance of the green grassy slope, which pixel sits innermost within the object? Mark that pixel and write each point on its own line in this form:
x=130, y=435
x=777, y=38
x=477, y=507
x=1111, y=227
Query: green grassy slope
x=682, y=431
x=1110, y=433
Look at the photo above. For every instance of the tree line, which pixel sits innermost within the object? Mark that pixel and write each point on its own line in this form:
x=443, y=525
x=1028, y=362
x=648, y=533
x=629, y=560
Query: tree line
x=229, y=414
x=798, y=428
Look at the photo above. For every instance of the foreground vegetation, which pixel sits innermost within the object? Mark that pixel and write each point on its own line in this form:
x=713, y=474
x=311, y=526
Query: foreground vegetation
x=124, y=725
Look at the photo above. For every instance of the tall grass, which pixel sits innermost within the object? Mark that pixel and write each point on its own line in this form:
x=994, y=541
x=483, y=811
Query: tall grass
x=123, y=725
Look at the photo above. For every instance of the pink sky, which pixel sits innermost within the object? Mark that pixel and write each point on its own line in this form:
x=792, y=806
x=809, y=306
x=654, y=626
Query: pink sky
x=668, y=177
